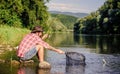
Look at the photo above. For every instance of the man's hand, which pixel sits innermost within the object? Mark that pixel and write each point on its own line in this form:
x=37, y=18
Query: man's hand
x=60, y=51
x=56, y=50
x=45, y=36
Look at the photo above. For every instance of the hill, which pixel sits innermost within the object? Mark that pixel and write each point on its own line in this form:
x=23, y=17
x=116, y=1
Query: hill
x=78, y=15
x=66, y=20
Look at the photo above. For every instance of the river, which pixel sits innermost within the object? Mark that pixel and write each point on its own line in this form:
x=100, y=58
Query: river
x=102, y=54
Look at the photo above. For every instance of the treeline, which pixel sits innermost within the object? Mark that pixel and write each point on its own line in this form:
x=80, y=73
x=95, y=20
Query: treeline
x=23, y=13
x=28, y=13
x=104, y=21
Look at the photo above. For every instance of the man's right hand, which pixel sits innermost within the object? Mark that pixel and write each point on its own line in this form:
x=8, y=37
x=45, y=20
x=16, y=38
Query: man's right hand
x=45, y=36
x=60, y=51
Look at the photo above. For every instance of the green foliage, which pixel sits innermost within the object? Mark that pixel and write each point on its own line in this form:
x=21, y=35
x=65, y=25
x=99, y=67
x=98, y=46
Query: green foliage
x=9, y=55
x=27, y=13
x=11, y=35
x=104, y=21
x=57, y=25
x=68, y=21
x=23, y=13
x=54, y=24
x=7, y=18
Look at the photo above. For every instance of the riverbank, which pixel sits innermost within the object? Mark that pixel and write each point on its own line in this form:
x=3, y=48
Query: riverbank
x=11, y=35
x=8, y=56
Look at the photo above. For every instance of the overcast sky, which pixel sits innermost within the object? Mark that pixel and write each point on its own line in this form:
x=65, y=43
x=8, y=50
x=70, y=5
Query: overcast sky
x=83, y=6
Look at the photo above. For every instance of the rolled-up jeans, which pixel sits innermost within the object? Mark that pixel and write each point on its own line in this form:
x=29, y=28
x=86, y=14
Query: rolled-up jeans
x=31, y=53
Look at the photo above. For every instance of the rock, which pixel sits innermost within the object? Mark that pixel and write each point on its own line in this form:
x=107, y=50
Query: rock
x=2, y=61
x=43, y=71
x=14, y=62
x=44, y=65
x=27, y=61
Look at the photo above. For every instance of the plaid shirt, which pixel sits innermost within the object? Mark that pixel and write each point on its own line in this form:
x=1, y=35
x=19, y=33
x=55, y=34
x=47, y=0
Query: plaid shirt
x=29, y=41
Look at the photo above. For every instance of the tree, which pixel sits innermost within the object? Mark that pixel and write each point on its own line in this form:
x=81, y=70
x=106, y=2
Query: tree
x=27, y=12
x=104, y=21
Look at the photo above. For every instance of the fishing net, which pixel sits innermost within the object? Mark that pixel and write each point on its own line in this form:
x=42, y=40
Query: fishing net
x=74, y=58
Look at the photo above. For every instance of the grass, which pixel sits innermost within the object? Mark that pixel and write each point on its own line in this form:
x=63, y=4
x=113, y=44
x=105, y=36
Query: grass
x=11, y=35
x=9, y=55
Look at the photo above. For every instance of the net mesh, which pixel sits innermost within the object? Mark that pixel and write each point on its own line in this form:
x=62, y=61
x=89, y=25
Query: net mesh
x=74, y=58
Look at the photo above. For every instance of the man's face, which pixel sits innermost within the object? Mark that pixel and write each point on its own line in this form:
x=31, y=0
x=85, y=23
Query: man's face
x=40, y=34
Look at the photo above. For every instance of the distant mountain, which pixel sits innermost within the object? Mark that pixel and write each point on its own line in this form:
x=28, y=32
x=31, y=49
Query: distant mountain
x=79, y=15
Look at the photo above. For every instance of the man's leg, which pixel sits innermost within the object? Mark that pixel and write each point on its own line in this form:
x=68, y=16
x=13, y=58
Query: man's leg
x=40, y=53
x=42, y=64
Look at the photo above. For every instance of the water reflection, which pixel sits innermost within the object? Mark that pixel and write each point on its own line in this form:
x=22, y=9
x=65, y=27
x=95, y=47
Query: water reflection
x=31, y=70
x=80, y=69
x=102, y=43
x=43, y=71
x=76, y=38
x=90, y=45
x=26, y=70
x=109, y=44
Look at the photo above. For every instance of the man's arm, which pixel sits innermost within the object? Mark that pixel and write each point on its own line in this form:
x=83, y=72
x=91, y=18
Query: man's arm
x=56, y=50
x=45, y=36
x=50, y=47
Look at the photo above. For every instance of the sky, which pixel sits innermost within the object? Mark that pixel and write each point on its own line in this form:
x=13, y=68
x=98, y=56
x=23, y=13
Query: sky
x=82, y=6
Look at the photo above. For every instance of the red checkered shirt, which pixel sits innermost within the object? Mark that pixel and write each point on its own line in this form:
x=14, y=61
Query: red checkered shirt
x=29, y=41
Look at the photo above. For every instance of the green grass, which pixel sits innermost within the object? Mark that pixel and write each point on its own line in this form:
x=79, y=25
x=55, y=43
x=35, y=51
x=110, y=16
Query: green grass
x=12, y=35
x=9, y=55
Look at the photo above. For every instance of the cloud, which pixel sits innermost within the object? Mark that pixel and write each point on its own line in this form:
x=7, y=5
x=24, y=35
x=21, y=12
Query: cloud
x=85, y=6
x=59, y=6
x=67, y=7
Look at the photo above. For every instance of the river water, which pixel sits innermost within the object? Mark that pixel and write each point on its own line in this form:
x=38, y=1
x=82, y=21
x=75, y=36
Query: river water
x=102, y=54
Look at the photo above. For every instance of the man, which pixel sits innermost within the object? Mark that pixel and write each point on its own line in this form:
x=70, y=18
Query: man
x=33, y=44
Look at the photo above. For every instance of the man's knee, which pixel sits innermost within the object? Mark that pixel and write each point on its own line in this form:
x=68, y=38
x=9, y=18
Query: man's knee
x=38, y=47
